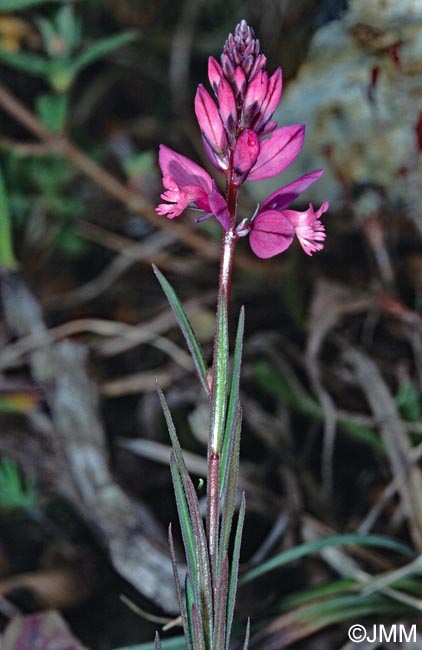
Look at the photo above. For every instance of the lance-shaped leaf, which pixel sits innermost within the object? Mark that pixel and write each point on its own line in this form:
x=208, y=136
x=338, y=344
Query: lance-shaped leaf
x=29, y=63
x=184, y=516
x=234, y=572
x=203, y=571
x=157, y=642
x=233, y=404
x=220, y=609
x=101, y=48
x=219, y=379
x=180, y=599
x=198, y=632
x=186, y=327
x=190, y=599
x=229, y=497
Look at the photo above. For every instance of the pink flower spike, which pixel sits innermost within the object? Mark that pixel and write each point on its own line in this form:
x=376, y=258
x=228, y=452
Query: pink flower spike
x=278, y=152
x=215, y=73
x=309, y=230
x=271, y=234
x=228, y=108
x=245, y=154
x=283, y=197
x=272, y=99
x=210, y=121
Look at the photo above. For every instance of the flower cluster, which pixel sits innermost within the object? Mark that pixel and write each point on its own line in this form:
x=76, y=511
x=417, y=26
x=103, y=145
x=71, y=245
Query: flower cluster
x=243, y=142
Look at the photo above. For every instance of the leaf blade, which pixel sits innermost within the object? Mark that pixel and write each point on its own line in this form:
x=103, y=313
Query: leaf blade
x=186, y=328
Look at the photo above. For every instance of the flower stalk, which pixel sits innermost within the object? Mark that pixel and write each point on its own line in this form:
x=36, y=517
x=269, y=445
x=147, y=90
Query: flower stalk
x=243, y=142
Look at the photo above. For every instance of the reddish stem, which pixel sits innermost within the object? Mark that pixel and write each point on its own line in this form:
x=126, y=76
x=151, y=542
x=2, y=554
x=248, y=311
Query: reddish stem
x=226, y=266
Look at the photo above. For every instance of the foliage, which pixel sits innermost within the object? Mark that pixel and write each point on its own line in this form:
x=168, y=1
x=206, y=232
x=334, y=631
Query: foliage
x=15, y=491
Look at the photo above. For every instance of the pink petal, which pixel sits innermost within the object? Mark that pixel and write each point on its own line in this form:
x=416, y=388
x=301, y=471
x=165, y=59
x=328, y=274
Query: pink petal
x=309, y=230
x=219, y=161
x=183, y=170
x=228, y=108
x=255, y=95
x=210, y=121
x=259, y=64
x=218, y=207
x=271, y=234
x=282, y=197
x=278, y=152
x=239, y=81
x=245, y=155
x=215, y=73
x=272, y=99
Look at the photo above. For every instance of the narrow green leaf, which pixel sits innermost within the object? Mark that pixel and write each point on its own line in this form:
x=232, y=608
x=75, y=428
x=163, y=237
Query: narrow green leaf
x=203, y=570
x=101, y=48
x=229, y=496
x=29, y=63
x=198, y=632
x=191, y=522
x=184, y=518
x=7, y=258
x=219, y=379
x=180, y=599
x=173, y=436
x=219, y=635
x=233, y=404
x=157, y=642
x=190, y=599
x=247, y=634
x=186, y=327
x=234, y=572
x=377, y=541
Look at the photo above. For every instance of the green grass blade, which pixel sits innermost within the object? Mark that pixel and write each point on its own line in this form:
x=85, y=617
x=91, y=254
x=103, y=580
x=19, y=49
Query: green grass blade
x=186, y=327
x=233, y=404
x=278, y=386
x=234, y=572
x=247, y=634
x=7, y=258
x=219, y=377
x=378, y=541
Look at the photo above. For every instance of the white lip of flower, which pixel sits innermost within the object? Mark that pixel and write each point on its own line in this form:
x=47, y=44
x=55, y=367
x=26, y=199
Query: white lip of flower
x=243, y=228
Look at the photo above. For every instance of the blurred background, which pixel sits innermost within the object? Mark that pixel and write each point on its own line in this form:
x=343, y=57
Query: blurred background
x=332, y=373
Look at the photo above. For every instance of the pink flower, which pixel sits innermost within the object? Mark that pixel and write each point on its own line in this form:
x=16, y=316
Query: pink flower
x=273, y=229
x=187, y=184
